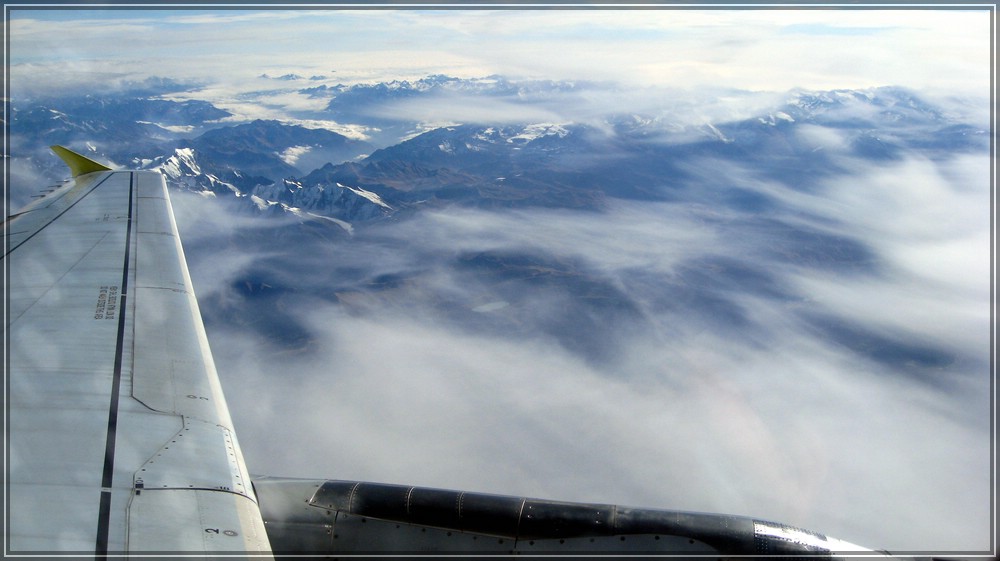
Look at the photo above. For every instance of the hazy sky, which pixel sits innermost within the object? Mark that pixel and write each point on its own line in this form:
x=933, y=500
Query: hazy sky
x=794, y=428
x=761, y=49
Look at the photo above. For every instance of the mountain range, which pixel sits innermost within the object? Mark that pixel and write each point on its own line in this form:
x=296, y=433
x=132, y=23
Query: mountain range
x=335, y=187
x=275, y=164
x=777, y=297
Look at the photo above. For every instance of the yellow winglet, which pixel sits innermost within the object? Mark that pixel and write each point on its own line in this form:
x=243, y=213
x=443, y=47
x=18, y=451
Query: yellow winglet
x=78, y=164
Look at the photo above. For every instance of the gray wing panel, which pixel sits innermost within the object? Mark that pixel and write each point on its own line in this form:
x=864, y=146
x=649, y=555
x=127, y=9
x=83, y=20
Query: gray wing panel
x=119, y=438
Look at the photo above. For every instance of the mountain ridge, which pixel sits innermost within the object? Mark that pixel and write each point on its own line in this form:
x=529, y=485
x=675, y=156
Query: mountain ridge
x=563, y=163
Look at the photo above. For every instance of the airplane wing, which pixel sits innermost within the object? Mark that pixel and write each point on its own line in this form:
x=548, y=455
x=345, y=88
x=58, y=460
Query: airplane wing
x=119, y=437
x=120, y=440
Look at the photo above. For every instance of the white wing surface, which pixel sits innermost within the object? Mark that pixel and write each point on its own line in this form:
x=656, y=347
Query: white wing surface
x=119, y=437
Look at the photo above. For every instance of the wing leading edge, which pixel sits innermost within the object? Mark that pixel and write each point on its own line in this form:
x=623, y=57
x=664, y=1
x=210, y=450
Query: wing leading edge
x=120, y=439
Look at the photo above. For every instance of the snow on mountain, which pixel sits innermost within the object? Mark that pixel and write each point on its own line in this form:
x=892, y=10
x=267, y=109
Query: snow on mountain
x=882, y=106
x=273, y=149
x=536, y=131
x=261, y=203
x=182, y=170
x=180, y=129
x=716, y=133
x=339, y=204
x=398, y=109
x=347, y=204
x=344, y=225
x=473, y=146
x=366, y=194
x=773, y=118
x=633, y=154
x=180, y=164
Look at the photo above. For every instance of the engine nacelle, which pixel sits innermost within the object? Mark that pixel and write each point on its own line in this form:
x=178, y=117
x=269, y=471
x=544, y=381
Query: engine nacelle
x=348, y=517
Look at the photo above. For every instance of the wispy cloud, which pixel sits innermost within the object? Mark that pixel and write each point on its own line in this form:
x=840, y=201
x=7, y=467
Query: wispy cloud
x=413, y=376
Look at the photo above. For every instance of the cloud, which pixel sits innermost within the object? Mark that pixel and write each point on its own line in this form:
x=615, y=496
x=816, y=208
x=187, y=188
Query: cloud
x=411, y=376
x=293, y=153
x=588, y=103
x=653, y=236
x=749, y=49
x=465, y=109
x=929, y=223
x=821, y=362
x=25, y=182
x=714, y=426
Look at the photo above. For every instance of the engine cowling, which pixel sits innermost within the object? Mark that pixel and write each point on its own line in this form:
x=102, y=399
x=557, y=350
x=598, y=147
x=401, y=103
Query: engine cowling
x=357, y=518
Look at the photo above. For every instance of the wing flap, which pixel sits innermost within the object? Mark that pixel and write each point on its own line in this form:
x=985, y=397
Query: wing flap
x=226, y=523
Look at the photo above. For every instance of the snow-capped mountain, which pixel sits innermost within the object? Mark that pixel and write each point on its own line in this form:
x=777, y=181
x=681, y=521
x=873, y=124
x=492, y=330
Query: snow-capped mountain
x=360, y=99
x=648, y=157
x=273, y=149
x=113, y=119
x=382, y=106
x=339, y=201
x=565, y=163
x=116, y=128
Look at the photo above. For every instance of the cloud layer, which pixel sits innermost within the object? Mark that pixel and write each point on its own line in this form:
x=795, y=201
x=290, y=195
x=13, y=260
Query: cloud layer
x=761, y=391
x=749, y=49
x=822, y=363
